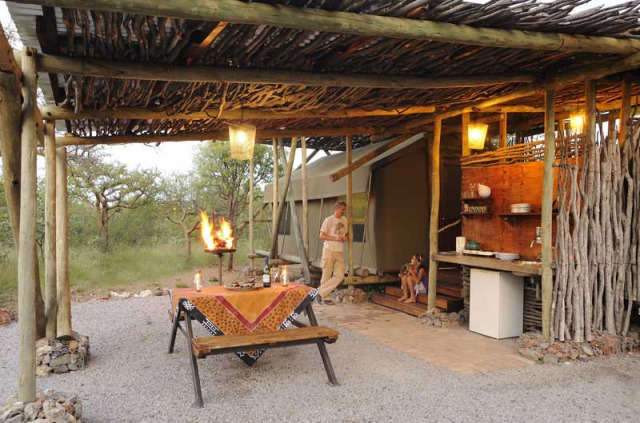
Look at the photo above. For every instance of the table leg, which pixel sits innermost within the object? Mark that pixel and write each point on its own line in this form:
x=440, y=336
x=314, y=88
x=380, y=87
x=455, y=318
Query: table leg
x=174, y=329
x=220, y=269
x=323, y=349
x=194, y=364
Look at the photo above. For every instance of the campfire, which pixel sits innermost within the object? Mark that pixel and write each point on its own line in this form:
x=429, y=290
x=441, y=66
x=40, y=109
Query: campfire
x=216, y=240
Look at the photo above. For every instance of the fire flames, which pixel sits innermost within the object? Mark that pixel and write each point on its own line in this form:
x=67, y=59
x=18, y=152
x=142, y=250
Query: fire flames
x=222, y=239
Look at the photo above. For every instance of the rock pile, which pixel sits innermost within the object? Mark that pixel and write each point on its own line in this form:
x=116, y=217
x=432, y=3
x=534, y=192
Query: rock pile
x=61, y=355
x=533, y=345
x=49, y=406
x=346, y=296
x=441, y=319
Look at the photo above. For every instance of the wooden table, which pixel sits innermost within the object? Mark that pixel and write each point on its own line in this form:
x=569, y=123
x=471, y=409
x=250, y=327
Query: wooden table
x=488, y=263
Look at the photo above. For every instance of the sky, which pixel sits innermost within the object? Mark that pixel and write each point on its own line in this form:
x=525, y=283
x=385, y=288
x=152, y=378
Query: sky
x=178, y=156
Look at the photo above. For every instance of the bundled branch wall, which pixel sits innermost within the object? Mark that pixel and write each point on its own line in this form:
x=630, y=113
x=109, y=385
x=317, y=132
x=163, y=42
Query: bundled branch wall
x=598, y=235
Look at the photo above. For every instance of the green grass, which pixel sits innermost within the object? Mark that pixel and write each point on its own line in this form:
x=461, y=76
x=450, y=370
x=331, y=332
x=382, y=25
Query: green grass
x=120, y=267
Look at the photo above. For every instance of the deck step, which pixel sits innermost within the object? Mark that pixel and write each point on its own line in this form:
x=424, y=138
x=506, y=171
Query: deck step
x=443, y=302
x=415, y=309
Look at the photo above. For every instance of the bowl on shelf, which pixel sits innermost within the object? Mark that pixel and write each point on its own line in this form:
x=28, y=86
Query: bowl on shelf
x=520, y=208
x=484, y=191
x=508, y=256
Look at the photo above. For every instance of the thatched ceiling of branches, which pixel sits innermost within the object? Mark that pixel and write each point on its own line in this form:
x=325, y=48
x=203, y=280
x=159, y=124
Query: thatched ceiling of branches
x=135, y=38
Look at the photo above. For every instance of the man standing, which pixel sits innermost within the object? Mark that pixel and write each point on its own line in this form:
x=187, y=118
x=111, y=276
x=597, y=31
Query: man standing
x=334, y=233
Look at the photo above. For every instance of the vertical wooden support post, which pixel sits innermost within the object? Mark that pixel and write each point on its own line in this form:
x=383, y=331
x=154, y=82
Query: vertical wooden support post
x=350, y=210
x=276, y=181
x=27, y=237
x=252, y=247
x=466, y=119
x=625, y=111
x=282, y=202
x=435, y=212
x=547, y=203
x=502, y=142
x=590, y=138
x=561, y=127
x=305, y=196
x=50, y=295
x=62, y=244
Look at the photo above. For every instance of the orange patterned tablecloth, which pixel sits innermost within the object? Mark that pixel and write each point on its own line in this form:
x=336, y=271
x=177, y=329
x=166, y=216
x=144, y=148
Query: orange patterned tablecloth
x=226, y=312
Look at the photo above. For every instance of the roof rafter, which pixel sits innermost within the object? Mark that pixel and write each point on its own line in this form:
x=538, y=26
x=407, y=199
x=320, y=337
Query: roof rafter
x=309, y=19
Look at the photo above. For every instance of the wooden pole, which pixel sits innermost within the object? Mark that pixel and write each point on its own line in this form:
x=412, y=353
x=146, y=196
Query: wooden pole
x=252, y=247
x=50, y=295
x=625, y=111
x=62, y=244
x=57, y=112
x=221, y=135
x=503, y=131
x=368, y=157
x=27, y=238
x=276, y=181
x=466, y=119
x=547, y=204
x=350, y=208
x=368, y=25
x=216, y=74
x=295, y=223
x=305, y=196
x=282, y=202
x=435, y=214
x=10, y=119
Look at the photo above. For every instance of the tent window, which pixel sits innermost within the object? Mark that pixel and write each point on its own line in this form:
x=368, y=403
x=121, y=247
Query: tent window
x=285, y=222
x=359, y=214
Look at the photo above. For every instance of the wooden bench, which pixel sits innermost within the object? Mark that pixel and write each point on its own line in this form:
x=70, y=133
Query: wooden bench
x=202, y=347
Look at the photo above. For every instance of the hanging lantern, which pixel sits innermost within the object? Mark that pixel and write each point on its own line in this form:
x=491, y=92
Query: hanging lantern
x=242, y=139
x=576, y=121
x=477, y=135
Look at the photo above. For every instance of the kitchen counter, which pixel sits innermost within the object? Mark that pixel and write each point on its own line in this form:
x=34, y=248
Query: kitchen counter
x=488, y=263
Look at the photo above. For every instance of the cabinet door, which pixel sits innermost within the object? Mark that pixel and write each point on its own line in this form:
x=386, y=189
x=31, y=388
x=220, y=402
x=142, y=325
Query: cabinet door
x=484, y=302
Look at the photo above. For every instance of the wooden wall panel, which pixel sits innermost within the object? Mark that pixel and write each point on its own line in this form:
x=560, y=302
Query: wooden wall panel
x=515, y=183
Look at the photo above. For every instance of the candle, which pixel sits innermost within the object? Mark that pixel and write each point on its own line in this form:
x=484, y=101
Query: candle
x=197, y=280
x=285, y=276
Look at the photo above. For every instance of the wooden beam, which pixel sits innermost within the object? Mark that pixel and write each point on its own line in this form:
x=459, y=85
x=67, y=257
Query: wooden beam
x=311, y=19
x=464, y=130
x=62, y=244
x=350, y=206
x=348, y=169
x=180, y=73
x=502, y=142
x=196, y=49
x=273, y=251
x=221, y=135
x=625, y=111
x=50, y=296
x=305, y=196
x=596, y=71
x=56, y=112
x=434, y=213
x=27, y=278
x=547, y=205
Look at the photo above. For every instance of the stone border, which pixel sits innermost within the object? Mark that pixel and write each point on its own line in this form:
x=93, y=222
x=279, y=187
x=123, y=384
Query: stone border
x=49, y=406
x=62, y=355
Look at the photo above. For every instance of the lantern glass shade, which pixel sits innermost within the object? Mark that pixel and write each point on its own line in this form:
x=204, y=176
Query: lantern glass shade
x=477, y=135
x=576, y=121
x=242, y=139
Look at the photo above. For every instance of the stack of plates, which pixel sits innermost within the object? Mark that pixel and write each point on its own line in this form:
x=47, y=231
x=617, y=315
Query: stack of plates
x=520, y=208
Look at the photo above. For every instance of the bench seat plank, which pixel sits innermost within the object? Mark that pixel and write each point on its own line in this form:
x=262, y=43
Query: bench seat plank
x=222, y=344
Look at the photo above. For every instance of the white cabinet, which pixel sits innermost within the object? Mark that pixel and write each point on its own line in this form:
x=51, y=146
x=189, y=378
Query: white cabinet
x=496, y=303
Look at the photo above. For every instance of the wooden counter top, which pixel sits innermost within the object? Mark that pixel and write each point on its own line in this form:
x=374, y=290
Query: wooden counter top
x=488, y=263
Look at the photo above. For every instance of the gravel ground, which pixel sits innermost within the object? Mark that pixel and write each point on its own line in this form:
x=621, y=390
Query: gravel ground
x=131, y=378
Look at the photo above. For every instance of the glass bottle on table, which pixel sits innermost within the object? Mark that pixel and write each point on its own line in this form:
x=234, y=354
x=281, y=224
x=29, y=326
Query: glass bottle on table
x=266, y=276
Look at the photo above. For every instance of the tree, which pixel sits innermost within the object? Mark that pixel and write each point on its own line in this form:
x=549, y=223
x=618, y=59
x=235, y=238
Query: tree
x=222, y=183
x=108, y=187
x=179, y=200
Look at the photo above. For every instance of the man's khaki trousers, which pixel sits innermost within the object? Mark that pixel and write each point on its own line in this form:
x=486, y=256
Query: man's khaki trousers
x=333, y=268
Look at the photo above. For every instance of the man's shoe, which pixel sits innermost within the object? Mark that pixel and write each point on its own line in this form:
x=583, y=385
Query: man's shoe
x=328, y=302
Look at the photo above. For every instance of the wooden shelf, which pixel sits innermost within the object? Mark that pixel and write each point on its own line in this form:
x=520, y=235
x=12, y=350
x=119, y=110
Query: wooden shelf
x=475, y=214
x=477, y=199
x=506, y=215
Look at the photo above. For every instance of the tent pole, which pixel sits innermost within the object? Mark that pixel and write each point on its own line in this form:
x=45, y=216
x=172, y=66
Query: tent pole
x=305, y=197
x=350, y=209
x=252, y=246
x=281, y=203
